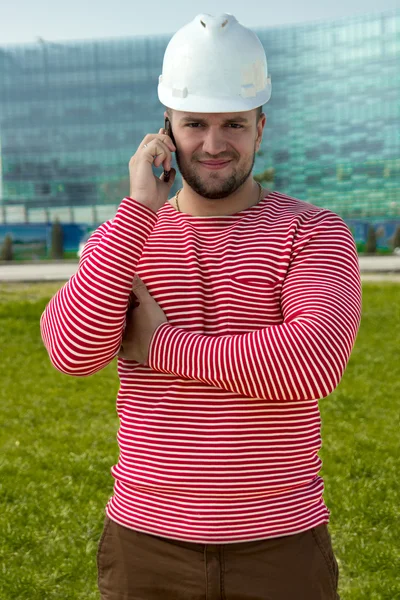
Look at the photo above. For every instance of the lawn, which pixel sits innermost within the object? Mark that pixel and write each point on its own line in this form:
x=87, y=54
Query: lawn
x=58, y=442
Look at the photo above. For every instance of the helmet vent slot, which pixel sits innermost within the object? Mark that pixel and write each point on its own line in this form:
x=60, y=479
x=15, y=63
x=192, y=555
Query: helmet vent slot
x=202, y=22
x=224, y=23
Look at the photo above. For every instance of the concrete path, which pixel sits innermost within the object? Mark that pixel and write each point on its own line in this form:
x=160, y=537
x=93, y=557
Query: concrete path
x=373, y=268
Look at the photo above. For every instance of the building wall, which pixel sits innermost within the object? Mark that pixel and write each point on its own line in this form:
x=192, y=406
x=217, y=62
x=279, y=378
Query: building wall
x=72, y=114
x=335, y=113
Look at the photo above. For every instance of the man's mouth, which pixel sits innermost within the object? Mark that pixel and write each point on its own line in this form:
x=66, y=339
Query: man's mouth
x=215, y=164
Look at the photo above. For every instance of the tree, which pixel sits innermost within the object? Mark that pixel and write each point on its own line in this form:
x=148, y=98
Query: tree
x=370, y=246
x=57, y=240
x=266, y=176
x=396, y=238
x=7, y=248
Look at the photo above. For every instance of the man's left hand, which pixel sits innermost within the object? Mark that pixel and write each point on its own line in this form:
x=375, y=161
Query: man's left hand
x=141, y=323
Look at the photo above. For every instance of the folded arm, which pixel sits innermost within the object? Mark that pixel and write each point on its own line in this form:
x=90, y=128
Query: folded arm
x=303, y=358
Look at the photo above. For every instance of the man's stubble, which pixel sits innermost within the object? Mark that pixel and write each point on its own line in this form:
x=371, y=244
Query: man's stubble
x=228, y=186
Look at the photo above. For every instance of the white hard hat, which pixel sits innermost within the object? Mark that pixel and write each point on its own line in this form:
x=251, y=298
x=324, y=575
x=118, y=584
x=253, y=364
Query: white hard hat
x=214, y=64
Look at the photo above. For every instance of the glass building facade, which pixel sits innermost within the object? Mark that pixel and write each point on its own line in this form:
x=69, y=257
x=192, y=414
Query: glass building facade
x=72, y=114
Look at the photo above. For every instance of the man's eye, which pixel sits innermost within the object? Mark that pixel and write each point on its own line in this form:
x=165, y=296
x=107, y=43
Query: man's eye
x=236, y=125
x=193, y=125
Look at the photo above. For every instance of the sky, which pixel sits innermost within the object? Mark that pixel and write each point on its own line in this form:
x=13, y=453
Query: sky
x=24, y=21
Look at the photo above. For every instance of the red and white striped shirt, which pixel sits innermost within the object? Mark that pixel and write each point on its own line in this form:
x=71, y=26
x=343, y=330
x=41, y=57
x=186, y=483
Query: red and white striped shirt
x=220, y=431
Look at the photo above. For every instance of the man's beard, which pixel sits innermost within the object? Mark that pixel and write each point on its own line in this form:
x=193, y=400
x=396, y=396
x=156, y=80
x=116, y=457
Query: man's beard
x=200, y=185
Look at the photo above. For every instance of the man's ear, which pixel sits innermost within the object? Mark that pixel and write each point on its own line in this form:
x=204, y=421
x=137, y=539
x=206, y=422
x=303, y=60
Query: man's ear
x=260, y=128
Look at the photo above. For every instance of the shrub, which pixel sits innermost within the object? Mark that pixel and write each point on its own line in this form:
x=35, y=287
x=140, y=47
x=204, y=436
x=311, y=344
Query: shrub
x=57, y=240
x=7, y=248
x=370, y=246
x=396, y=238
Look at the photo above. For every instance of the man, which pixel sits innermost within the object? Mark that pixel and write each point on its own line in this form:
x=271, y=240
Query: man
x=243, y=309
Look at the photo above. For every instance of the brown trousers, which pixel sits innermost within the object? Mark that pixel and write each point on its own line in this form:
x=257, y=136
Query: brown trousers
x=138, y=566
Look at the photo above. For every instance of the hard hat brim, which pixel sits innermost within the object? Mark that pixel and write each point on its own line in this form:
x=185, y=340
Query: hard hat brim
x=207, y=104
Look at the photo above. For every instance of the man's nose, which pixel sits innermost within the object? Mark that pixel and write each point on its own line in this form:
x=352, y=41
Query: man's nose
x=214, y=141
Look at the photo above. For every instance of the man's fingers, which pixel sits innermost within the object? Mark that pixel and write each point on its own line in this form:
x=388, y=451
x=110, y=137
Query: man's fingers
x=133, y=301
x=159, y=153
x=138, y=287
x=136, y=281
x=158, y=149
x=159, y=137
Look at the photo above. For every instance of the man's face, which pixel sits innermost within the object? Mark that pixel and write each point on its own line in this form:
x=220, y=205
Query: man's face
x=216, y=151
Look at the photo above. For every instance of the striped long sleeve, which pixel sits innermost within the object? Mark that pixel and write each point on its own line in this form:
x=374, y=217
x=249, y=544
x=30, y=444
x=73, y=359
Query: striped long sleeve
x=83, y=323
x=302, y=358
x=261, y=304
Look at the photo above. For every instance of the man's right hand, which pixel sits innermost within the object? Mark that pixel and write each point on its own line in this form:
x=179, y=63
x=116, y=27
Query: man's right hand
x=145, y=187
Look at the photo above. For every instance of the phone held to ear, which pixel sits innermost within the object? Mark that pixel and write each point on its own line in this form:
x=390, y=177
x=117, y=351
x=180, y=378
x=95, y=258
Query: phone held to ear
x=168, y=131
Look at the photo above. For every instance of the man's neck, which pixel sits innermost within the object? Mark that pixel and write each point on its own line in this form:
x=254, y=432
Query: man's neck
x=193, y=204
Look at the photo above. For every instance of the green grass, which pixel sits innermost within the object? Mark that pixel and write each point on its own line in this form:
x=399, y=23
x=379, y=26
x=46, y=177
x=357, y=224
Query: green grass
x=56, y=452
x=58, y=442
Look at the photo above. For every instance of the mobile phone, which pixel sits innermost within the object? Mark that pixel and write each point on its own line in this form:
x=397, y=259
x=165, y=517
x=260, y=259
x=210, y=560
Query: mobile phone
x=168, y=131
